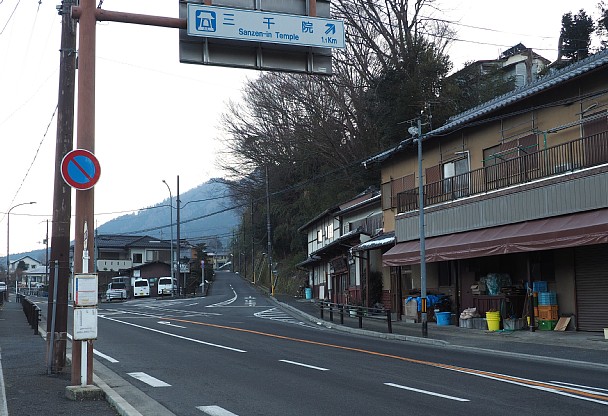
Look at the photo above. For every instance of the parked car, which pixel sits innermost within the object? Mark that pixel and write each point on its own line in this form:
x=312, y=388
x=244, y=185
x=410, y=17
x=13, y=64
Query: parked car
x=141, y=287
x=2, y=286
x=166, y=286
x=116, y=290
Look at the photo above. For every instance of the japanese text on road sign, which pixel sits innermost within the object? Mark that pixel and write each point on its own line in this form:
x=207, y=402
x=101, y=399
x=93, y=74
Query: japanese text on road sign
x=260, y=26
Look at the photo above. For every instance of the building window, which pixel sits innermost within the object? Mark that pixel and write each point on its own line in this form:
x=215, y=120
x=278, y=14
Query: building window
x=455, y=178
x=329, y=231
x=137, y=258
x=319, y=236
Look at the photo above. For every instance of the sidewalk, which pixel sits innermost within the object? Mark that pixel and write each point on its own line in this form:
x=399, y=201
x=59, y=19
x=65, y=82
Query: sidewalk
x=579, y=348
x=25, y=387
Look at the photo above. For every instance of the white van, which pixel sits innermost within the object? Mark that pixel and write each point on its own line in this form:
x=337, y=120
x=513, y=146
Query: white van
x=166, y=286
x=141, y=287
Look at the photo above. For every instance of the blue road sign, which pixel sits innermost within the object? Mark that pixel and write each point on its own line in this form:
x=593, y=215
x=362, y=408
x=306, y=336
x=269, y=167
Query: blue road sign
x=80, y=169
x=260, y=26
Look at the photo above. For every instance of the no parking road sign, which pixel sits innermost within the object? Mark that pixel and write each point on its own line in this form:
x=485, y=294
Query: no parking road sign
x=80, y=169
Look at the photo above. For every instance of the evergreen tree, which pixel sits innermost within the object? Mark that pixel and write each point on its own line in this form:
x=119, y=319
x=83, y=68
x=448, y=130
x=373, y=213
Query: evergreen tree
x=575, y=36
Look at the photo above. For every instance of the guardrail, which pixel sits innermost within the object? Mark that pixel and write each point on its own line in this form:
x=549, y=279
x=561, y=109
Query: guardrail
x=358, y=312
x=31, y=310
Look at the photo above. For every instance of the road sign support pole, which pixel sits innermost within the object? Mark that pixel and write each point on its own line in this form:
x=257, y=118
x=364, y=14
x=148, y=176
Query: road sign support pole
x=85, y=140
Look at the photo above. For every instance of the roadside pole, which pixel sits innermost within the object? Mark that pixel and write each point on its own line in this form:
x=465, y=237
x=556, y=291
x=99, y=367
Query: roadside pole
x=62, y=197
x=85, y=136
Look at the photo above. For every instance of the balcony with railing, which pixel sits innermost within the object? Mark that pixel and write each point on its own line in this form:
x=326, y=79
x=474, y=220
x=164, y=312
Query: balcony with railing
x=534, y=165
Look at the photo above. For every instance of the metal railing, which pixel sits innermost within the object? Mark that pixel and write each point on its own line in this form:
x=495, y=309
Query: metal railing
x=31, y=310
x=357, y=312
x=577, y=154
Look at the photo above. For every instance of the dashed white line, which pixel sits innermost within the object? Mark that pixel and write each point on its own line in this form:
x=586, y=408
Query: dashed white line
x=170, y=324
x=176, y=336
x=215, y=411
x=149, y=380
x=430, y=393
x=99, y=354
x=304, y=365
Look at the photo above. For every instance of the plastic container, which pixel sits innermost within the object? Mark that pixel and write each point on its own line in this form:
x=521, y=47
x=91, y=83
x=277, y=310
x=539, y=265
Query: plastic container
x=443, y=318
x=547, y=298
x=548, y=312
x=493, y=319
x=513, y=324
x=546, y=325
x=539, y=286
x=308, y=292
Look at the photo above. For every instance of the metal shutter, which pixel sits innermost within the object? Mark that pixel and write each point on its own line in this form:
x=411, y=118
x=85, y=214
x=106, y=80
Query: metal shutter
x=591, y=269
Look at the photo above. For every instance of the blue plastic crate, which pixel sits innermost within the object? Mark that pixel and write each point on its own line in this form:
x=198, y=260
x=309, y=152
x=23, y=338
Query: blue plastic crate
x=539, y=287
x=547, y=298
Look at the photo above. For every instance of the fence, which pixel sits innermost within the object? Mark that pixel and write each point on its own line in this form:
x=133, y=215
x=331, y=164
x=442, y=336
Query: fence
x=358, y=312
x=31, y=310
x=567, y=157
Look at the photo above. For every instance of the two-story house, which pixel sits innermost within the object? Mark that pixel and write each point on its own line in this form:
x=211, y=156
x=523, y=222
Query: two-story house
x=335, y=271
x=515, y=191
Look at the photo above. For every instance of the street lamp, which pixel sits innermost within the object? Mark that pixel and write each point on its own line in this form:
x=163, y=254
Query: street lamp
x=8, y=234
x=171, y=210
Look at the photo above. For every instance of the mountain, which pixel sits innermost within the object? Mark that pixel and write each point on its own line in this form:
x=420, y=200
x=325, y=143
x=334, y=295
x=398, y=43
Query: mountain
x=206, y=215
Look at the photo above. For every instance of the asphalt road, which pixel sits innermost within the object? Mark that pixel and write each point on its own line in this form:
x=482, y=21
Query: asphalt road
x=236, y=353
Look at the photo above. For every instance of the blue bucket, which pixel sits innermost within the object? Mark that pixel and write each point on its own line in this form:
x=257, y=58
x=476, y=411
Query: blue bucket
x=308, y=292
x=443, y=318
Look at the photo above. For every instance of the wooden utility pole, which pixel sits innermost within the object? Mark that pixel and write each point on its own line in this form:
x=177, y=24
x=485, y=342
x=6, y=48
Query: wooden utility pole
x=62, y=196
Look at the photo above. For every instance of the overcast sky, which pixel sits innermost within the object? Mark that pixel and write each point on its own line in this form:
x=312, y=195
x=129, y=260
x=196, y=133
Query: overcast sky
x=157, y=118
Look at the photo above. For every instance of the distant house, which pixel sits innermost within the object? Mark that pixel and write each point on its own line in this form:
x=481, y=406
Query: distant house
x=38, y=274
x=139, y=256
x=28, y=262
x=335, y=272
x=520, y=64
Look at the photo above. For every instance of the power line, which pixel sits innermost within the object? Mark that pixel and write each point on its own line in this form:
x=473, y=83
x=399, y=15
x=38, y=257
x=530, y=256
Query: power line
x=10, y=17
x=35, y=156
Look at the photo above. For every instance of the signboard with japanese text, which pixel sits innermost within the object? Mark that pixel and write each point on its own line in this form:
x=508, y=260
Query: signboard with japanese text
x=281, y=37
x=85, y=290
x=263, y=26
x=85, y=324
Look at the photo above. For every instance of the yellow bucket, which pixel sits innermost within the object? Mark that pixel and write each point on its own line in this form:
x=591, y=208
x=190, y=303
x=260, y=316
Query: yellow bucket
x=493, y=320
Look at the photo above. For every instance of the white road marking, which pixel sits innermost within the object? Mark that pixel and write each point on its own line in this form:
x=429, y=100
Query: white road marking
x=176, y=336
x=531, y=384
x=99, y=354
x=215, y=411
x=305, y=365
x=170, y=324
x=586, y=389
x=276, y=314
x=191, y=304
x=149, y=380
x=226, y=302
x=106, y=357
x=430, y=393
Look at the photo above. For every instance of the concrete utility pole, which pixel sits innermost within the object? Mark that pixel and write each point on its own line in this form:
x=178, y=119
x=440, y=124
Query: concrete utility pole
x=268, y=230
x=423, y=300
x=179, y=245
x=62, y=195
